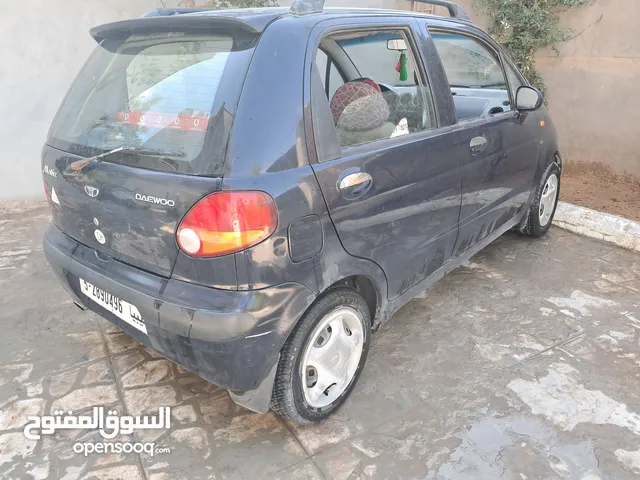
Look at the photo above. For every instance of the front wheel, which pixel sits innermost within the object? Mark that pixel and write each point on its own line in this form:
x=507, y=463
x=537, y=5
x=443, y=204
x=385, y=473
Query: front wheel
x=544, y=203
x=322, y=360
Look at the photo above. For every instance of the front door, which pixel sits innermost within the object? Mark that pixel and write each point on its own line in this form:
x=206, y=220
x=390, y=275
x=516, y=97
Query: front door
x=498, y=145
x=389, y=171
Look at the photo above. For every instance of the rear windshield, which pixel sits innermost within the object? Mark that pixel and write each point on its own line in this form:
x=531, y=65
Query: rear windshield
x=168, y=95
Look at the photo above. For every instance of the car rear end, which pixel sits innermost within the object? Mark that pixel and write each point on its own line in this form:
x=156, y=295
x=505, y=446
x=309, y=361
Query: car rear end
x=147, y=232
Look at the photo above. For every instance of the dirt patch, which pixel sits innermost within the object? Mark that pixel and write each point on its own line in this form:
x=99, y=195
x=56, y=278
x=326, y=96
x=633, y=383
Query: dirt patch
x=599, y=191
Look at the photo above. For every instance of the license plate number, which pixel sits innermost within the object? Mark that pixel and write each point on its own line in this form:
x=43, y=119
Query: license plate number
x=121, y=309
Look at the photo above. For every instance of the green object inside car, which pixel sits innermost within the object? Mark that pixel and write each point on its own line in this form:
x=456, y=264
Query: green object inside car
x=403, y=67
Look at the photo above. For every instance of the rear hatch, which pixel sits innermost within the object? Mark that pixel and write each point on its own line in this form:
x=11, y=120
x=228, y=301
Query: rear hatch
x=142, y=135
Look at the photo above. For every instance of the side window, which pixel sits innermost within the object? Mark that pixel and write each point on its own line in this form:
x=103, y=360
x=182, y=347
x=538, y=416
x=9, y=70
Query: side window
x=331, y=77
x=384, y=94
x=475, y=75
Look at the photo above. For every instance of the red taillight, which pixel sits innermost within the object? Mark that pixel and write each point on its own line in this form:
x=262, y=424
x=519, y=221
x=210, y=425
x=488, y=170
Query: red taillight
x=226, y=222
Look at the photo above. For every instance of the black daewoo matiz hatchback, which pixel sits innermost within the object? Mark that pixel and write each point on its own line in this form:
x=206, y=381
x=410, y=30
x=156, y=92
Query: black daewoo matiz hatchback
x=251, y=193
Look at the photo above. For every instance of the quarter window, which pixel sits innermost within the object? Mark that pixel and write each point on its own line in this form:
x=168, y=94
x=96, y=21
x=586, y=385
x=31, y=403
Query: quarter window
x=475, y=75
x=514, y=78
x=383, y=94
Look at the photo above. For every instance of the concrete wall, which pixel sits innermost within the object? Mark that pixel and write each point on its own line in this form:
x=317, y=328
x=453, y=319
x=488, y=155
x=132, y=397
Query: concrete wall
x=592, y=87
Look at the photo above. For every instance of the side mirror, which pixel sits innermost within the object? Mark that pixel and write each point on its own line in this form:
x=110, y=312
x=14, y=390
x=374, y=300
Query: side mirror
x=396, y=44
x=528, y=98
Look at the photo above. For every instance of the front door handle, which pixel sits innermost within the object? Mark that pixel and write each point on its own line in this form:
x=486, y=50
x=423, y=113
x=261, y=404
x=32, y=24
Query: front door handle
x=355, y=185
x=478, y=145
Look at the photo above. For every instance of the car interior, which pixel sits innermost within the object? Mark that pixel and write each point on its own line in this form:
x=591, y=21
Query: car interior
x=375, y=90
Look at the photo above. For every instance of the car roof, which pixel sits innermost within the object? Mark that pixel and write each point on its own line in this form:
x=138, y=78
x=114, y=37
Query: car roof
x=256, y=16
x=252, y=19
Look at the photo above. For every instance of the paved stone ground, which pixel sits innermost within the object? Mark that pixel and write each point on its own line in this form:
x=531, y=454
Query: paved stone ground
x=523, y=364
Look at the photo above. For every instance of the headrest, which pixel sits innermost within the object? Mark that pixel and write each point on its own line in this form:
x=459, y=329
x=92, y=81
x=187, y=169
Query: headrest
x=359, y=106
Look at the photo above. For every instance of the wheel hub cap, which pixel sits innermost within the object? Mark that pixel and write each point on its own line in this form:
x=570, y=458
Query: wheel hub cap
x=331, y=358
x=548, y=200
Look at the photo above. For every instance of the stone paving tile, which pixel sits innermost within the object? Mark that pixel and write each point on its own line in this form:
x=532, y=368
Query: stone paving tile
x=305, y=470
x=522, y=364
x=248, y=447
x=372, y=404
x=395, y=450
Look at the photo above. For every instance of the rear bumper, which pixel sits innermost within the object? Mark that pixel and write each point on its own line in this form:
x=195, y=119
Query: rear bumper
x=230, y=338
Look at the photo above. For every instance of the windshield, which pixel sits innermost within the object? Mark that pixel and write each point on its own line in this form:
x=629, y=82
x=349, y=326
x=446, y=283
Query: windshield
x=165, y=92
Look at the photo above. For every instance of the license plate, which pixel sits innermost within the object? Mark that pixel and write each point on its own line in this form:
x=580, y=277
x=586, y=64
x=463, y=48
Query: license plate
x=121, y=309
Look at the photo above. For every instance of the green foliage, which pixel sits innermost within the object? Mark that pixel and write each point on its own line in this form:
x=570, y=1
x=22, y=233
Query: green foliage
x=526, y=26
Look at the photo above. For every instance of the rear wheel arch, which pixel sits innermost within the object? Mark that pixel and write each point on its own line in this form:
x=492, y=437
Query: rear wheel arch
x=366, y=287
x=363, y=285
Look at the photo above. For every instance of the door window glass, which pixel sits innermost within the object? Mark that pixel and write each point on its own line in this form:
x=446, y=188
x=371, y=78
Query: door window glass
x=475, y=75
x=384, y=96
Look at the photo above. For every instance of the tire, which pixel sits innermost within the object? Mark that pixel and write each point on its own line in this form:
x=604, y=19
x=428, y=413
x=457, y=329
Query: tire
x=295, y=396
x=538, y=223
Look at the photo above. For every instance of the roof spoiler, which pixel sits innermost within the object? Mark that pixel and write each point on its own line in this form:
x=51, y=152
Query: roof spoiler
x=167, y=12
x=168, y=22
x=305, y=7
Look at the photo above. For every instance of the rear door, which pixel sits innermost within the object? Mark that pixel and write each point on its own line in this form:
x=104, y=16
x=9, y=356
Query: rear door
x=387, y=162
x=498, y=145
x=158, y=108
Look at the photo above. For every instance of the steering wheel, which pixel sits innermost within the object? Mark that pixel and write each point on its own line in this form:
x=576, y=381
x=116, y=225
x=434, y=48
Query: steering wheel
x=392, y=98
x=404, y=105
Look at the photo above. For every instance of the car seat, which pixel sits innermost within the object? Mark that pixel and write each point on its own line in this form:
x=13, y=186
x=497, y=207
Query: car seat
x=361, y=113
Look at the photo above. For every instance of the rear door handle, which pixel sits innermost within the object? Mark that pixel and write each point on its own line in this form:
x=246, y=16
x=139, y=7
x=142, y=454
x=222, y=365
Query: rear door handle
x=355, y=185
x=478, y=145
